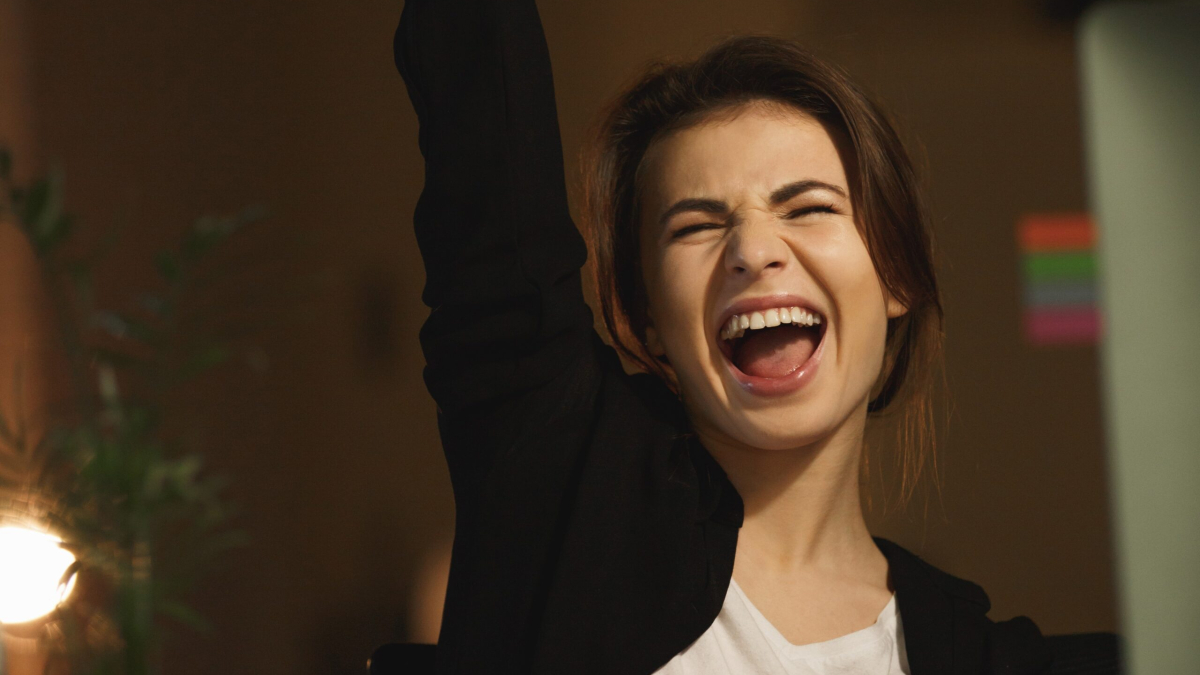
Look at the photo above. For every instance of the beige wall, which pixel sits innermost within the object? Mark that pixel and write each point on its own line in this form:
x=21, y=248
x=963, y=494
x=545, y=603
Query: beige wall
x=162, y=111
x=24, y=327
x=17, y=270
x=22, y=396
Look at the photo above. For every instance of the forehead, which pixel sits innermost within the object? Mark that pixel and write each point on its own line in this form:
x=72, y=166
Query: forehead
x=752, y=149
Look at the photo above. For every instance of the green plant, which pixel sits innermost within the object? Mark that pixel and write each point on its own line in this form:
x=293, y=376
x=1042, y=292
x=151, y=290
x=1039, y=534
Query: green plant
x=137, y=509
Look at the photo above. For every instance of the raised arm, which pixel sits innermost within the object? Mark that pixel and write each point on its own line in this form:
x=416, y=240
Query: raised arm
x=502, y=256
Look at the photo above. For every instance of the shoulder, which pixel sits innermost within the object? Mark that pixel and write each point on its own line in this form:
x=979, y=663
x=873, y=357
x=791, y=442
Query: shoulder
x=904, y=563
x=946, y=623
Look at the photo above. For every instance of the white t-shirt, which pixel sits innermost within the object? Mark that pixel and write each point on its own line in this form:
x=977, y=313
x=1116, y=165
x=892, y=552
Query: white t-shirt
x=742, y=641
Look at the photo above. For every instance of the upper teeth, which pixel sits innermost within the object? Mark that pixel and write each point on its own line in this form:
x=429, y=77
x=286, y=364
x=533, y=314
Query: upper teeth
x=738, y=324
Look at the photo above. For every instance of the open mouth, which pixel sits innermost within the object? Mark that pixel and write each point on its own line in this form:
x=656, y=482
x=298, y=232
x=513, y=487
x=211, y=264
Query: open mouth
x=772, y=344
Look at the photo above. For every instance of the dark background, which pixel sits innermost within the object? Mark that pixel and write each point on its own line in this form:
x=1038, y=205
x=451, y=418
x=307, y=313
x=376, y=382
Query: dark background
x=162, y=111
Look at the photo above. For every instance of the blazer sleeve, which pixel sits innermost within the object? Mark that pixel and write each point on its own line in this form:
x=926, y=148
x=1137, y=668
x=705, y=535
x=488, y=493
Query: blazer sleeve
x=502, y=256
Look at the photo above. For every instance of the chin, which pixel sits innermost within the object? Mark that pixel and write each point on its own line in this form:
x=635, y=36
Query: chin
x=781, y=426
x=784, y=429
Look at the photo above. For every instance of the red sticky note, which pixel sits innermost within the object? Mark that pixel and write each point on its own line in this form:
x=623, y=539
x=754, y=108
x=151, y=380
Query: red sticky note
x=1056, y=232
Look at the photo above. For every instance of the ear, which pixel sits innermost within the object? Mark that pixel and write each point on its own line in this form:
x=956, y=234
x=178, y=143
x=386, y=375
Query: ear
x=654, y=342
x=895, y=309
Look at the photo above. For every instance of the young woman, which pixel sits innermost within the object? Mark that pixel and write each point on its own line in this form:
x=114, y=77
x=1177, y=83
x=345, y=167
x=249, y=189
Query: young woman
x=762, y=253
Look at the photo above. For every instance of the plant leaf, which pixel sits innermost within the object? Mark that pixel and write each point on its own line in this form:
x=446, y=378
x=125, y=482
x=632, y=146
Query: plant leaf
x=185, y=615
x=204, y=359
x=168, y=266
x=42, y=216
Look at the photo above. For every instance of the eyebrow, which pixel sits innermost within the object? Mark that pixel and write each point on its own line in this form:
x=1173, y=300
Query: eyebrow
x=800, y=187
x=718, y=207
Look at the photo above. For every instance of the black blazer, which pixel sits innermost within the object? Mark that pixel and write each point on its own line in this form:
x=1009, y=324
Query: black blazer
x=594, y=533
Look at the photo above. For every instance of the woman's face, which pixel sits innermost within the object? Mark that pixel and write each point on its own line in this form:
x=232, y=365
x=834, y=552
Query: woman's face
x=747, y=238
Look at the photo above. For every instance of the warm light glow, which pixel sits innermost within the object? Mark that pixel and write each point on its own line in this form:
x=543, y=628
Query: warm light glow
x=31, y=566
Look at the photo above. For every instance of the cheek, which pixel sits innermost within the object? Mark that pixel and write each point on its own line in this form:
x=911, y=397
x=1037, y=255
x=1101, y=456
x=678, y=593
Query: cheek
x=674, y=283
x=675, y=287
x=858, y=297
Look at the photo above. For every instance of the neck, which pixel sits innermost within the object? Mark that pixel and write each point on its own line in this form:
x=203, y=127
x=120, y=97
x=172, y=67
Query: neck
x=802, y=505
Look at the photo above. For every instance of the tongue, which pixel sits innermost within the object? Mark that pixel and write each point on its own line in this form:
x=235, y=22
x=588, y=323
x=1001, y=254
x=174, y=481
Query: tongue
x=775, y=352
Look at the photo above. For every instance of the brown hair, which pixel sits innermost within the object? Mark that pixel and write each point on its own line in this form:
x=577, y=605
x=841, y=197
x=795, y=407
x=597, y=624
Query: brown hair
x=884, y=191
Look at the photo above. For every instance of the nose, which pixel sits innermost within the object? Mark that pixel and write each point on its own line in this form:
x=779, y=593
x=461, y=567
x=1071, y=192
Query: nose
x=755, y=248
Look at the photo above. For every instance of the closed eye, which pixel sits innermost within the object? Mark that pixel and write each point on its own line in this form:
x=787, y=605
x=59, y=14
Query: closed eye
x=798, y=213
x=689, y=229
x=807, y=210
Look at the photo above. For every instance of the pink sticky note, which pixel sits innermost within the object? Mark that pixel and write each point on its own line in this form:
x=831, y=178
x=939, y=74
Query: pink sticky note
x=1062, y=325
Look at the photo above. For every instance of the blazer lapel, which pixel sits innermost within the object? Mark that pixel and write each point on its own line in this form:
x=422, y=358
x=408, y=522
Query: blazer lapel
x=943, y=617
